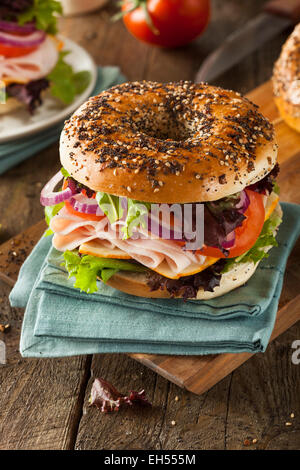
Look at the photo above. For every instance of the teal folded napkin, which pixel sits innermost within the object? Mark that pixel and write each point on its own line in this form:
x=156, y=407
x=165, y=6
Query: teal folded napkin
x=62, y=321
x=15, y=152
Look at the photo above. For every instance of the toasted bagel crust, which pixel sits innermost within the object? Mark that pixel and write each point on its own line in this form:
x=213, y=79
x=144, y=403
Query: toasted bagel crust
x=136, y=283
x=172, y=143
x=11, y=105
x=286, y=80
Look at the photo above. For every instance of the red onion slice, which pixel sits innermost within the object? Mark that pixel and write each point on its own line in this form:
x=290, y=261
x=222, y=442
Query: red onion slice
x=244, y=202
x=85, y=205
x=30, y=40
x=13, y=27
x=49, y=197
x=229, y=240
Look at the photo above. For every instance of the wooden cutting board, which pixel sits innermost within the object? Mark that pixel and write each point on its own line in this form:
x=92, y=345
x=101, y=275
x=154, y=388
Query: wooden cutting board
x=199, y=373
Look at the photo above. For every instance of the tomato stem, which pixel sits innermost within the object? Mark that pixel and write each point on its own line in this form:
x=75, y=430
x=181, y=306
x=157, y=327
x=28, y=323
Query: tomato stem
x=120, y=14
x=148, y=18
x=137, y=4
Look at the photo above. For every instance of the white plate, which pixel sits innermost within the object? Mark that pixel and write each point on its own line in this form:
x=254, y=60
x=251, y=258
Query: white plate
x=20, y=123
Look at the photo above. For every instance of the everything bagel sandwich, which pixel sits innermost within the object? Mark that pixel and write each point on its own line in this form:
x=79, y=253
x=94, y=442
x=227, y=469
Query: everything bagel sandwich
x=143, y=150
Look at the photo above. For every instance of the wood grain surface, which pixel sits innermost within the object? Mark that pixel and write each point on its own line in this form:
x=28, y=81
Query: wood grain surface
x=43, y=403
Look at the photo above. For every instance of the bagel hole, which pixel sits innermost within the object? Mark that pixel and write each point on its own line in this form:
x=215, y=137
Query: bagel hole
x=163, y=126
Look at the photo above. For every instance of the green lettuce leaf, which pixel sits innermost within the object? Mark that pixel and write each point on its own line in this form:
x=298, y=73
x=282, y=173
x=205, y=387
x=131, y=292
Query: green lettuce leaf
x=43, y=13
x=50, y=212
x=87, y=268
x=110, y=205
x=276, y=188
x=257, y=253
x=65, y=173
x=136, y=211
x=65, y=84
x=226, y=203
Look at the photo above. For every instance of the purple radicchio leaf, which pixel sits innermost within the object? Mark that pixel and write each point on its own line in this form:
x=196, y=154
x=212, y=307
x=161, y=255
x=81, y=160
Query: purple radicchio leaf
x=218, y=225
x=265, y=186
x=29, y=93
x=188, y=286
x=78, y=187
x=15, y=6
x=107, y=398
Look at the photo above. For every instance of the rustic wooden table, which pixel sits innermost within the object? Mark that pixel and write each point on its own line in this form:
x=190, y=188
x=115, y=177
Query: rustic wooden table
x=43, y=403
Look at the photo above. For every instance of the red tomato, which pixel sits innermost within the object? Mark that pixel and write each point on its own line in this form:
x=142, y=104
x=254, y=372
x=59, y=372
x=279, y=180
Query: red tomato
x=15, y=51
x=248, y=233
x=175, y=22
x=72, y=211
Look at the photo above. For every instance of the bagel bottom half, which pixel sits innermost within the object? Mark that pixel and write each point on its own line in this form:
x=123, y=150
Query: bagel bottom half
x=11, y=105
x=136, y=283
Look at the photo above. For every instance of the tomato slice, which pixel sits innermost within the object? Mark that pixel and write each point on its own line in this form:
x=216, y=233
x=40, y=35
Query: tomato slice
x=72, y=211
x=65, y=184
x=248, y=233
x=15, y=51
x=83, y=191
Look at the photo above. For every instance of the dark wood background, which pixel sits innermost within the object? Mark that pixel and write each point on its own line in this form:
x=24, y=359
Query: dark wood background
x=44, y=403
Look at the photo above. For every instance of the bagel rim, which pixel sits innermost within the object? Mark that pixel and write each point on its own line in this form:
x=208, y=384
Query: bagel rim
x=98, y=155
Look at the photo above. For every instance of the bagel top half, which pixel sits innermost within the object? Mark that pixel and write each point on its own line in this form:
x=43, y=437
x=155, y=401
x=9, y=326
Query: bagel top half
x=168, y=143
